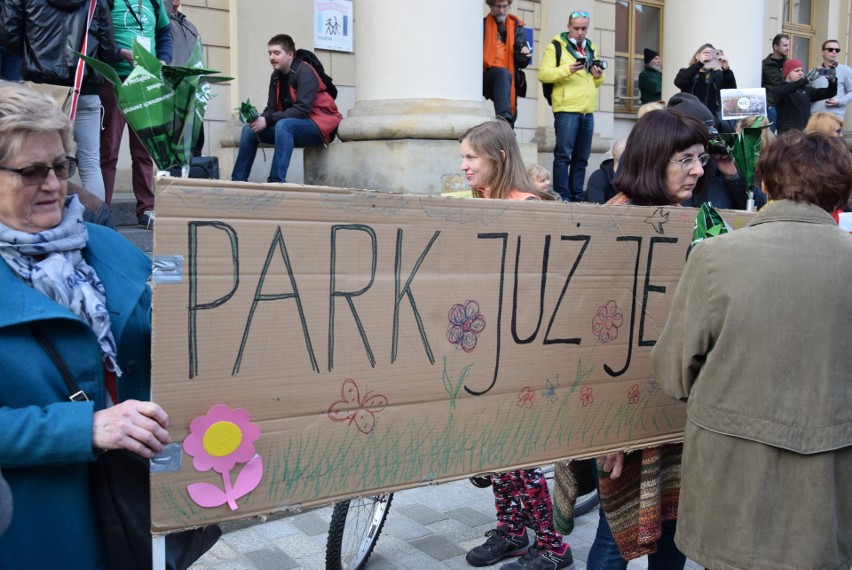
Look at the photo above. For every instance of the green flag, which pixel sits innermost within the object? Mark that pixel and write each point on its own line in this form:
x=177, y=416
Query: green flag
x=163, y=104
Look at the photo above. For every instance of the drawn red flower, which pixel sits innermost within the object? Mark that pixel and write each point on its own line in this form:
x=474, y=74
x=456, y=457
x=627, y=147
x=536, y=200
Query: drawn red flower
x=586, y=396
x=633, y=394
x=465, y=325
x=606, y=322
x=526, y=398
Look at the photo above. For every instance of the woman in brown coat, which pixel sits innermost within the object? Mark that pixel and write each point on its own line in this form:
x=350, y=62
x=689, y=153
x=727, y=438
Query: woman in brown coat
x=757, y=342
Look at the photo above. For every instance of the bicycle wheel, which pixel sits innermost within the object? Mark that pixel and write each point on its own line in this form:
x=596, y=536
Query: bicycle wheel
x=355, y=527
x=585, y=503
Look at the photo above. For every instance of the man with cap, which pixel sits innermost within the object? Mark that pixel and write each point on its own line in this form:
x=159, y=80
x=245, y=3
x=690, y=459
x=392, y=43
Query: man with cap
x=504, y=51
x=724, y=188
x=793, y=98
x=651, y=78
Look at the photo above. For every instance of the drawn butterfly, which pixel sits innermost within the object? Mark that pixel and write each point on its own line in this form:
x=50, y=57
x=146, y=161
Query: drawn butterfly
x=352, y=407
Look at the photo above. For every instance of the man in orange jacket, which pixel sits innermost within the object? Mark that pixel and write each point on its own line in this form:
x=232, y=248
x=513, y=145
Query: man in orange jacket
x=505, y=51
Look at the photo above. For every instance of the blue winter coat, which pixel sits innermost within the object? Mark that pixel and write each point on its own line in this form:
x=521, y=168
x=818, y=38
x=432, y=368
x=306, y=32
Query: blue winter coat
x=45, y=439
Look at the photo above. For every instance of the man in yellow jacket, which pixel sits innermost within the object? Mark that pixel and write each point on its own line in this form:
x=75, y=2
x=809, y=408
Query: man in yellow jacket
x=575, y=80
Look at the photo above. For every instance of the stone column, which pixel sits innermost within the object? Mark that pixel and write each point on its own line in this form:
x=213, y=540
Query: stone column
x=418, y=89
x=734, y=26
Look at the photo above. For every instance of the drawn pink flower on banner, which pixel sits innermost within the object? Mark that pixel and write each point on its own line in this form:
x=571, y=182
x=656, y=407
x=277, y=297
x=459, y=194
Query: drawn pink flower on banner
x=465, y=325
x=607, y=321
x=633, y=394
x=586, y=396
x=219, y=440
x=526, y=398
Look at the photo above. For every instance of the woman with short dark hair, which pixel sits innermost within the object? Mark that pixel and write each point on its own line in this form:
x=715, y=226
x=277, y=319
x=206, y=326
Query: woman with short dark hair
x=757, y=343
x=663, y=160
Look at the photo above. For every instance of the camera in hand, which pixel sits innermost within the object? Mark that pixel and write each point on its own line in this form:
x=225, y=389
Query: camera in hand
x=602, y=64
x=827, y=71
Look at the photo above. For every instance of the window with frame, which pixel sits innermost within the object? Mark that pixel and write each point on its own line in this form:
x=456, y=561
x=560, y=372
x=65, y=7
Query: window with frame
x=799, y=25
x=638, y=25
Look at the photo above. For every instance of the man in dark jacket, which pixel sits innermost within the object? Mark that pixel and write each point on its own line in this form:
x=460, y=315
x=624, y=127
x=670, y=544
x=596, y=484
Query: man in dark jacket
x=794, y=97
x=773, y=66
x=299, y=113
x=651, y=78
x=43, y=31
x=504, y=53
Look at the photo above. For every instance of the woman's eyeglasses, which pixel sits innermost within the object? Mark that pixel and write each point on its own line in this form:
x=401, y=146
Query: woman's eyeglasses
x=689, y=161
x=36, y=175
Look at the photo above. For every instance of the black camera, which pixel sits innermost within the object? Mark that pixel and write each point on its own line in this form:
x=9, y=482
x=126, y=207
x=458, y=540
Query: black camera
x=602, y=64
x=827, y=71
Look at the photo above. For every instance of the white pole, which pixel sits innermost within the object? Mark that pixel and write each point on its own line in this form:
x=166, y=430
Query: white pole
x=158, y=545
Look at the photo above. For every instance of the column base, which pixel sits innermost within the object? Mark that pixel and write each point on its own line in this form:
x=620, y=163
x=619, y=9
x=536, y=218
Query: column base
x=413, y=119
x=414, y=166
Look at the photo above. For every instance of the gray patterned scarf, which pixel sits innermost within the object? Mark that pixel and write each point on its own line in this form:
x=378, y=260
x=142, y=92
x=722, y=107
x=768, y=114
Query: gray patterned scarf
x=63, y=275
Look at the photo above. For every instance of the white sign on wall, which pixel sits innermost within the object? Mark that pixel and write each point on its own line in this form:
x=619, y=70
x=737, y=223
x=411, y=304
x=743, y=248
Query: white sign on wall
x=333, y=25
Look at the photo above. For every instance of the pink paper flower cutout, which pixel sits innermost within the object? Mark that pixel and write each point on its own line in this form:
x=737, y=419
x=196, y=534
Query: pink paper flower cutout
x=633, y=394
x=526, y=398
x=606, y=322
x=221, y=439
x=465, y=325
x=586, y=396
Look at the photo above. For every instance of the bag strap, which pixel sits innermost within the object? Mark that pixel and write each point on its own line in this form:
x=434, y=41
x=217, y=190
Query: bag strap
x=76, y=394
x=81, y=65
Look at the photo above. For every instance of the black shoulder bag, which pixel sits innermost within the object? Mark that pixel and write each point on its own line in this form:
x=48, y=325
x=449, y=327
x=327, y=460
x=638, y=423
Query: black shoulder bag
x=122, y=498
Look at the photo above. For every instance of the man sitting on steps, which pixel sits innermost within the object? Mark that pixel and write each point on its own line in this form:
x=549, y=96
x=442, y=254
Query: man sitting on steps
x=299, y=113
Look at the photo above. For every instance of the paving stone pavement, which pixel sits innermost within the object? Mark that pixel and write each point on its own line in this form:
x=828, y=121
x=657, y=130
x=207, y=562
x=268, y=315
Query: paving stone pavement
x=428, y=527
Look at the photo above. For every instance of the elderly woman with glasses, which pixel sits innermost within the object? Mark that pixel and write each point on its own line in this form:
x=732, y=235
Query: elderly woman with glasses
x=74, y=297
x=662, y=165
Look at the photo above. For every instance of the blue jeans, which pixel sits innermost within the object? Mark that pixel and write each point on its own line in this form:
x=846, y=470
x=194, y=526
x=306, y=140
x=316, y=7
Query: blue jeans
x=87, y=133
x=286, y=135
x=10, y=65
x=604, y=554
x=574, y=133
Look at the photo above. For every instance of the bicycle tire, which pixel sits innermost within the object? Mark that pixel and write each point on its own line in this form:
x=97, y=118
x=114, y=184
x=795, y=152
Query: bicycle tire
x=354, y=530
x=586, y=503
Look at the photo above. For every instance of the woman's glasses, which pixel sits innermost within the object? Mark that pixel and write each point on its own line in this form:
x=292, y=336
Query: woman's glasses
x=579, y=15
x=36, y=175
x=689, y=161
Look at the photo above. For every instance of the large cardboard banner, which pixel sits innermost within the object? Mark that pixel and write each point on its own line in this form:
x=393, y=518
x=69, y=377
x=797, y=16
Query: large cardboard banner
x=313, y=344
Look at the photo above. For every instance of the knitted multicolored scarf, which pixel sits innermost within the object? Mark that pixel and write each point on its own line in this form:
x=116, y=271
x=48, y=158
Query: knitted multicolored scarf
x=645, y=495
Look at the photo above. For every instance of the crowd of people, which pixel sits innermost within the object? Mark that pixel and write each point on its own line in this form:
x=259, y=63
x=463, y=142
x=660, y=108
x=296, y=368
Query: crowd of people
x=778, y=420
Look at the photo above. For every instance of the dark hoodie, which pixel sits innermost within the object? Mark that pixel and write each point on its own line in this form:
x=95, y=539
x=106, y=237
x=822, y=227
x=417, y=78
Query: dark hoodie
x=47, y=32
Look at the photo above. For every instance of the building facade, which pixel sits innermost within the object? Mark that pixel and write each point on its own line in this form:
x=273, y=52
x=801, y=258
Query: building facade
x=412, y=83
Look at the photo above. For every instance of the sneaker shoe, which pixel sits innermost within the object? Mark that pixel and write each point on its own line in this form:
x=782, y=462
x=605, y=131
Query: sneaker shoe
x=500, y=544
x=542, y=558
x=146, y=219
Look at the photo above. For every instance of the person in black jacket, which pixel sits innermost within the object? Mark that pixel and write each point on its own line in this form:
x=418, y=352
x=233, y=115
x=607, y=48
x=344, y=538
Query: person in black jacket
x=600, y=187
x=708, y=73
x=45, y=32
x=793, y=98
